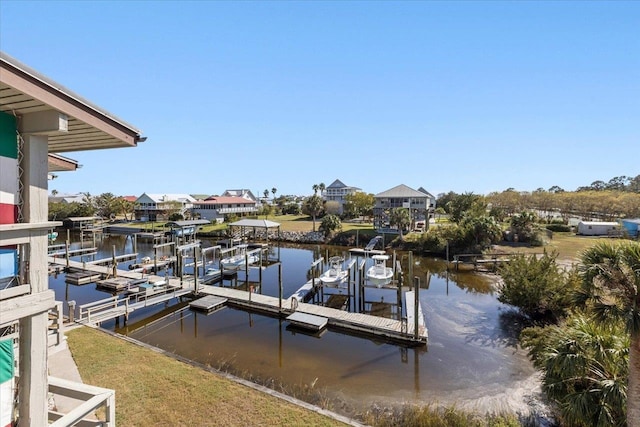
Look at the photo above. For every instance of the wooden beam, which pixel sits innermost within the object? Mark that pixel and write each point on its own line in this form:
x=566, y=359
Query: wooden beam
x=17, y=308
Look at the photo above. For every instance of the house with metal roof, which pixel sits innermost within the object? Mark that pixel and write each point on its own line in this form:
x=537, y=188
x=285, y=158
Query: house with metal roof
x=40, y=118
x=338, y=192
x=216, y=208
x=159, y=207
x=420, y=204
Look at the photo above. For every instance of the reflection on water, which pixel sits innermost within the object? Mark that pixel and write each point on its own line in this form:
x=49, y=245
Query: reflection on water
x=471, y=355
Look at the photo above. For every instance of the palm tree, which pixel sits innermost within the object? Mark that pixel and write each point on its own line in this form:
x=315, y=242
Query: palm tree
x=315, y=188
x=582, y=373
x=611, y=289
x=400, y=218
x=313, y=206
x=321, y=187
x=273, y=191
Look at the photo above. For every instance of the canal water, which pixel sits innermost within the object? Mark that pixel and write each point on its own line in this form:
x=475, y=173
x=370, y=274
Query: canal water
x=472, y=359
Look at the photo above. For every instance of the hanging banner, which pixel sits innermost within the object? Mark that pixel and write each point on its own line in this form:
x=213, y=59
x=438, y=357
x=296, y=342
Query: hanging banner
x=6, y=383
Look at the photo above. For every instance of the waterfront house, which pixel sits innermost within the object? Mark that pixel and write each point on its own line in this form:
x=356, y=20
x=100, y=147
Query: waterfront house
x=39, y=117
x=337, y=192
x=420, y=204
x=216, y=208
x=159, y=207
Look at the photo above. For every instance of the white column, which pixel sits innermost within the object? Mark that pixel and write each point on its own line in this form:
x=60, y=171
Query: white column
x=33, y=408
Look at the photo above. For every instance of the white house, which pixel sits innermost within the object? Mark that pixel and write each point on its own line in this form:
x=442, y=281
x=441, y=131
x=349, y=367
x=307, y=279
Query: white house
x=215, y=208
x=158, y=207
x=597, y=228
x=337, y=192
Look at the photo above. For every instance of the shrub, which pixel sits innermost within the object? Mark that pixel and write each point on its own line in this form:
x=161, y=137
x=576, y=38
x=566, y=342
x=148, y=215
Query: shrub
x=538, y=287
x=559, y=228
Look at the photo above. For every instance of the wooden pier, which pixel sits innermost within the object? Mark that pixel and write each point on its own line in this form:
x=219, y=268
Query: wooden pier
x=163, y=289
x=361, y=324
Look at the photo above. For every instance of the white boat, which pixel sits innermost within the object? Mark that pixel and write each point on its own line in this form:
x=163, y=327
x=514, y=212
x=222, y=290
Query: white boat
x=335, y=274
x=239, y=260
x=379, y=274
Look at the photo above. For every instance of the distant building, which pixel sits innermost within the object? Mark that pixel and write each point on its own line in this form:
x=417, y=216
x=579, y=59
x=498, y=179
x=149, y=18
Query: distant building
x=597, y=228
x=67, y=198
x=337, y=192
x=158, y=207
x=215, y=208
x=420, y=204
x=631, y=226
x=244, y=193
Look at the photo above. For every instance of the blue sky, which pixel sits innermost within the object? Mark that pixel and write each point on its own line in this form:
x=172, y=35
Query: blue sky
x=461, y=96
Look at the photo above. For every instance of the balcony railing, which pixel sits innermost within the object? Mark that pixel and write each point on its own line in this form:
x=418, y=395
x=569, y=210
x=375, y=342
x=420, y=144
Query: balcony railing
x=92, y=398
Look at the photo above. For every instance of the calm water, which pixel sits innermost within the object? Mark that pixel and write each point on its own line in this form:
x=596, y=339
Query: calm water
x=471, y=358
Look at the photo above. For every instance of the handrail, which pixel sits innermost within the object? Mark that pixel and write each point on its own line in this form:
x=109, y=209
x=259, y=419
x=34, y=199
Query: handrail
x=92, y=397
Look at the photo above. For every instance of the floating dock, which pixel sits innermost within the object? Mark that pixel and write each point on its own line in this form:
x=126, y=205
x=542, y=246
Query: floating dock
x=82, y=277
x=308, y=321
x=121, y=283
x=208, y=303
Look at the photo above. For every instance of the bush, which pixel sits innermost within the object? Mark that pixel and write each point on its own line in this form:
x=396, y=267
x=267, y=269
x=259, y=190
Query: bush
x=538, y=287
x=559, y=228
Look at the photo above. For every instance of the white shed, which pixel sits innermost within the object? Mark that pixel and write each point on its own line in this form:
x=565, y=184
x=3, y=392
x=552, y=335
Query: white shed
x=597, y=228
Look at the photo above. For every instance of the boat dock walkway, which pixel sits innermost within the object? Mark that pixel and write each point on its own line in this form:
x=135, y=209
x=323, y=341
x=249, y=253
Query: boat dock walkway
x=162, y=289
x=394, y=330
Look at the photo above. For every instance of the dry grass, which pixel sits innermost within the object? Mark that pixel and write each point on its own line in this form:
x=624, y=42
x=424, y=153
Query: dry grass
x=568, y=245
x=155, y=390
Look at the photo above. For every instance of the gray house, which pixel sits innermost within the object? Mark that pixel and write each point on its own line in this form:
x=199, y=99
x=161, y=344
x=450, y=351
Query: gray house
x=337, y=192
x=420, y=204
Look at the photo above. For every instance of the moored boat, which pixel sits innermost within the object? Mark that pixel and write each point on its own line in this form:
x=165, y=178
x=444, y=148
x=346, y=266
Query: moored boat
x=335, y=274
x=379, y=274
x=239, y=260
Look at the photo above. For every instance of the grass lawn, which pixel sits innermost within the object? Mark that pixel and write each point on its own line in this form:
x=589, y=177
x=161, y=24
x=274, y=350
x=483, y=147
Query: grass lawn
x=155, y=390
x=568, y=245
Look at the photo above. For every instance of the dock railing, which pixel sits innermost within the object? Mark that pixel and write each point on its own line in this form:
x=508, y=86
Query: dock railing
x=108, y=308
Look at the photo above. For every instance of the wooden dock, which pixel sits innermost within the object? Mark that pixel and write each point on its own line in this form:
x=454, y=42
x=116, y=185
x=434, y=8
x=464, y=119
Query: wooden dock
x=362, y=324
x=121, y=283
x=208, y=303
x=81, y=277
x=307, y=321
x=163, y=289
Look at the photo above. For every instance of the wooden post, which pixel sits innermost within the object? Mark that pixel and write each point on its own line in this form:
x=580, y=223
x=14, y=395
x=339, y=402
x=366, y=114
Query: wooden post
x=115, y=263
x=66, y=250
x=135, y=243
x=416, y=307
x=447, y=255
x=195, y=270
x=279, y=288
x=155, y=259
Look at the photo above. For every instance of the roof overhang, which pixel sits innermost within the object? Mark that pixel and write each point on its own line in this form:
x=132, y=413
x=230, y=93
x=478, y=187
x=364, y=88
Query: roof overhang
x=24, y=91
x=58, y=163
